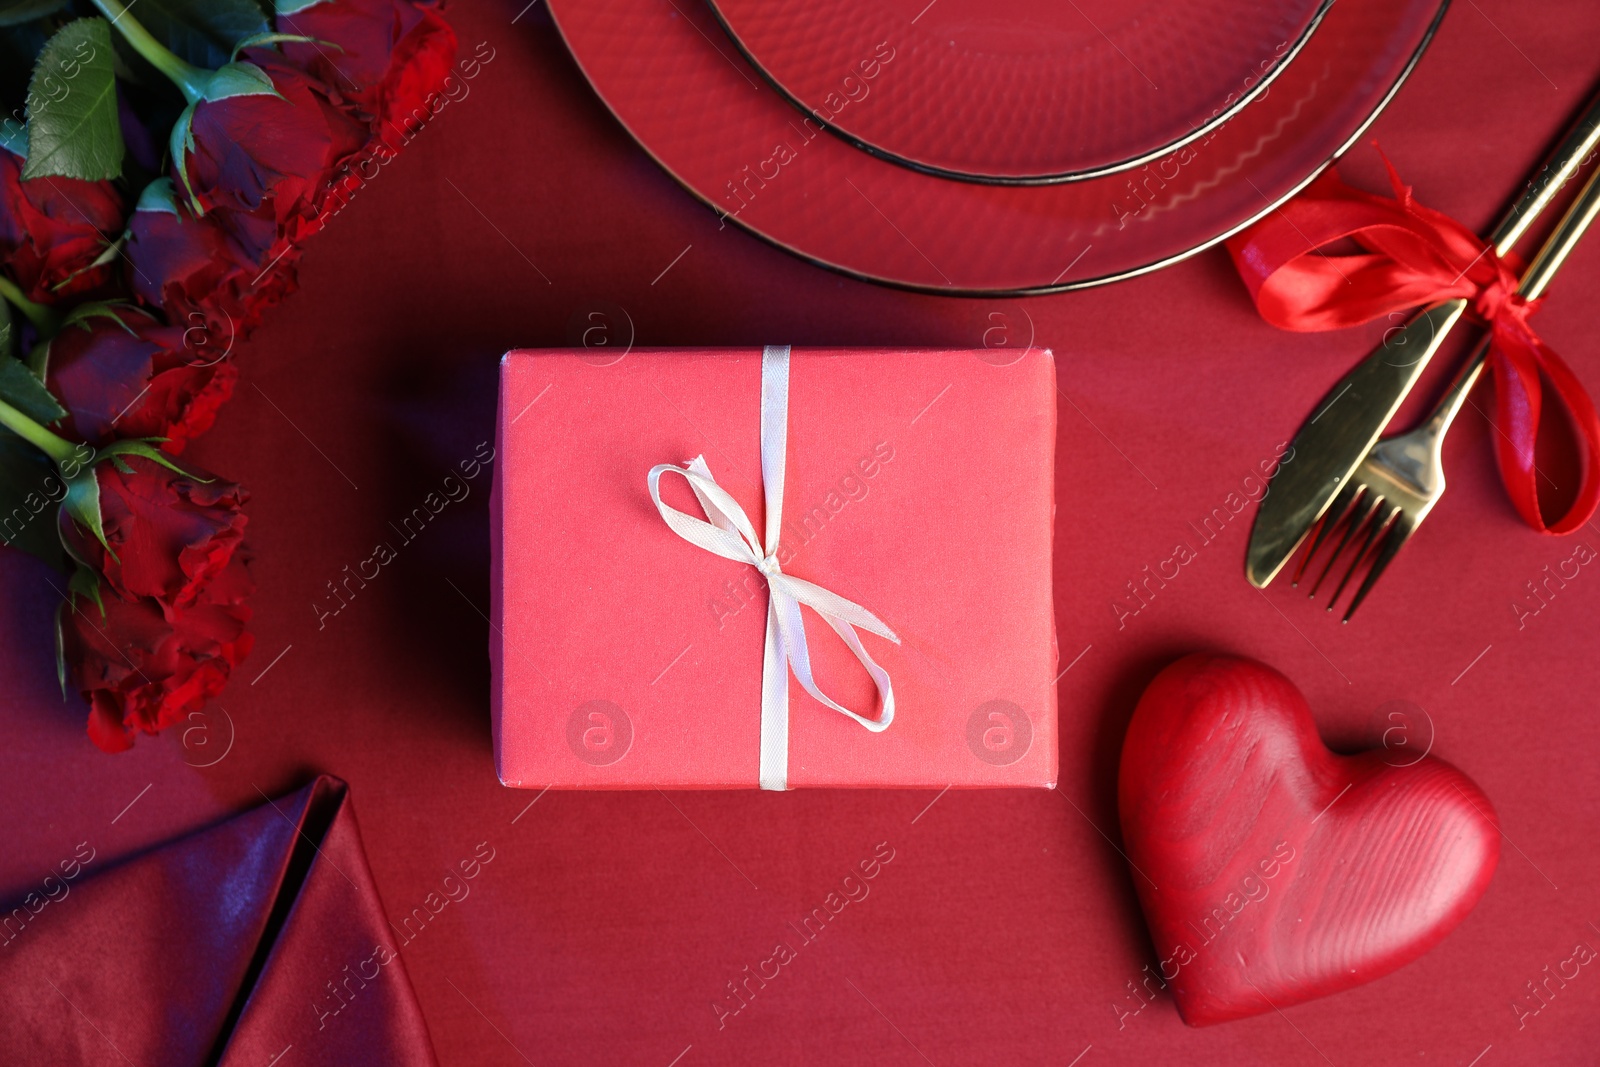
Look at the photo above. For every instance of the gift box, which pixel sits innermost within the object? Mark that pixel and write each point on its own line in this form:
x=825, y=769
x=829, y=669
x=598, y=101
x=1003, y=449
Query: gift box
x=742, y=567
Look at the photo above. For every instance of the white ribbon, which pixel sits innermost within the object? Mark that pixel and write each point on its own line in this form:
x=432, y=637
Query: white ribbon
x=729, y=534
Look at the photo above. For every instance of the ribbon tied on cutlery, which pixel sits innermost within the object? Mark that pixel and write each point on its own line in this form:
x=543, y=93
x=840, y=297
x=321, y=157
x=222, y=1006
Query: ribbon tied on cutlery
x=730, y=534
x=1407, y=256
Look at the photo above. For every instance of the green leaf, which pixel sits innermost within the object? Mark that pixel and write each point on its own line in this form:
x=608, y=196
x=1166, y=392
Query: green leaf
x=39, y=359
x=61, y=648
x=159, y=196
x=112, y=250
x=181, y=141
x=8, y=331
x=83, y=314
x=30, y=490
x=144, y=447
x=86, y=583
x=202, y=32
x=73, y=129
x=292, y=7
x=20, y=389
x=261, y=40
x=82, y=502
x=17, y=12
x=240, y=79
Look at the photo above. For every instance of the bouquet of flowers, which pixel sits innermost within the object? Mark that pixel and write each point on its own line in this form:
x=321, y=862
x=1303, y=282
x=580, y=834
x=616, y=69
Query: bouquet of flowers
x=160, y=173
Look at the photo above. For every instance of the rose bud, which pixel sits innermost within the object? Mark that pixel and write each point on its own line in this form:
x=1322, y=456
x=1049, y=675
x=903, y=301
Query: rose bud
x=52, y=230
x=168, y=533
x=201, y=274
x=271, y=152
x=392, y=55
x=145, y=668
x=259, y=137
x=121, y=372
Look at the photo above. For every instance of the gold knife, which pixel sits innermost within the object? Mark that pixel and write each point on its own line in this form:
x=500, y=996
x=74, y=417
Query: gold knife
x=1347, y=423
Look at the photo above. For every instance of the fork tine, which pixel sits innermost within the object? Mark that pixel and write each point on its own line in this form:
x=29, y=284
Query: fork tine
x=1377, y=528
x=1352, y=499
x=1399, y=533
x=1361, y=510
x=1332, y=517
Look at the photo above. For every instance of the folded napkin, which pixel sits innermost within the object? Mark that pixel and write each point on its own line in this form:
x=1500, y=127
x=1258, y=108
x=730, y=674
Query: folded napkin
x=259, y=941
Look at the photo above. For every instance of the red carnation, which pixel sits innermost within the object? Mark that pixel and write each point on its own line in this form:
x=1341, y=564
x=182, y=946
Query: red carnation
x=169, y=534
x=269, y=155
x=392, y=55
x=53, y=229
x=203, y=273
x=145, y=667
x=120, y=372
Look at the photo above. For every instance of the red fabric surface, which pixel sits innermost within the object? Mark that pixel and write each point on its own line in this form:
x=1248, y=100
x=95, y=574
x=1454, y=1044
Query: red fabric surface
x=230, y=946
x=1005, y=928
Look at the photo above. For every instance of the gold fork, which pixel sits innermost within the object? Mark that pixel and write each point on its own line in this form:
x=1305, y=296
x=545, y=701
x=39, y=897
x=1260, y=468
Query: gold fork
x=1401, y=478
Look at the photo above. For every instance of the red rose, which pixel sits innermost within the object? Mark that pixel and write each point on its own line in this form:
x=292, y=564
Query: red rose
x=142, y=667
x=269, y=156
x=169, y=625
x=170, y=534
x=121, y=372
x=392, y=55
x=201, y=274
x=52, y=229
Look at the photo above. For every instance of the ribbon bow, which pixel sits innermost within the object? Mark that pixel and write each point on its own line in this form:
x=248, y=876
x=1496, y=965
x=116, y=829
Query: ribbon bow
x=1411, y=255
x=730, y=535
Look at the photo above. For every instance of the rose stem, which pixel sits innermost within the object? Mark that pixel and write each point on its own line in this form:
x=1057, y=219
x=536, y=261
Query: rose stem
x=186, y=76
x=46, y=321
x=57, y=448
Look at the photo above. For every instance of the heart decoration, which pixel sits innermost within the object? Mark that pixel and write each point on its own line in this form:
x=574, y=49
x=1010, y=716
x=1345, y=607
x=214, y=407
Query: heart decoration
x=1272, y=870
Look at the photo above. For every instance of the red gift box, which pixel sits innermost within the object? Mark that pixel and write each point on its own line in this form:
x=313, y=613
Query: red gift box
x=634, y=643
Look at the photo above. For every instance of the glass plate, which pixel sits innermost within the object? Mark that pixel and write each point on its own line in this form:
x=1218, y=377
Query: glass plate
x=688, y=97
x=1020, y=90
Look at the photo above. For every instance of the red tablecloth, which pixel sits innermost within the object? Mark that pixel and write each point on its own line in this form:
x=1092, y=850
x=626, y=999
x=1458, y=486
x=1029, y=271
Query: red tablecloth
x=1004, y=929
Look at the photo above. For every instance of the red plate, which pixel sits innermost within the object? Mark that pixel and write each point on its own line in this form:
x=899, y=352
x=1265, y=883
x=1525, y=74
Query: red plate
x=1020, y=90
x=667, y=70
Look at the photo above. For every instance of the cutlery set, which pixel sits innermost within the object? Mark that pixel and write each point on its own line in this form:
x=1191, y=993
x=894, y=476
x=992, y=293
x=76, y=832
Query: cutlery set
x=1362, y=495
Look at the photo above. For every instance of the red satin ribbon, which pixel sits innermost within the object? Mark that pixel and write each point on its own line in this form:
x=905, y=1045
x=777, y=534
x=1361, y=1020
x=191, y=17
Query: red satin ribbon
x=1410, y=255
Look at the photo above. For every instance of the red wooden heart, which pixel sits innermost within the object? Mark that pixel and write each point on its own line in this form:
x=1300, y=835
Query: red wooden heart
x=1272, y=870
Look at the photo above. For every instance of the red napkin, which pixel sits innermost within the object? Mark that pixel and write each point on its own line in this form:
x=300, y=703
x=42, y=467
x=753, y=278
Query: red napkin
x=259, y=941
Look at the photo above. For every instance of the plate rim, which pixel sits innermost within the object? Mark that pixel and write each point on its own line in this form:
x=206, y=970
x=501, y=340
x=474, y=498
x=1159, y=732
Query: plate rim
x=1044, y=290
x=1323, y=7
